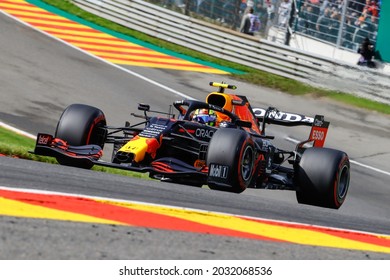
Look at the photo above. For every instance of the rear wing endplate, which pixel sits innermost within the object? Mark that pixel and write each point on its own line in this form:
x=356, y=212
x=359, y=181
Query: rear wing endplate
x=319, y=131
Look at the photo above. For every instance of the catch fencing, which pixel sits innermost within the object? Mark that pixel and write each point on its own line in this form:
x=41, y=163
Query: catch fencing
x=228, y=44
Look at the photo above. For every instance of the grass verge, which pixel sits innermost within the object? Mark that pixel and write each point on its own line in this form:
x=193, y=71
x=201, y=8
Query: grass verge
x=16, y=145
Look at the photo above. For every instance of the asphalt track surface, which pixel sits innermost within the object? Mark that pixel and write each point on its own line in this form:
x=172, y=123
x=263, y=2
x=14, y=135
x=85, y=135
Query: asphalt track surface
x=41, y=76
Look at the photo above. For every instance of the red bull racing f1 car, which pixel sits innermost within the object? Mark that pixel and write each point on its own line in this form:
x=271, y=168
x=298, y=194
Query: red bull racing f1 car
x=220, y=143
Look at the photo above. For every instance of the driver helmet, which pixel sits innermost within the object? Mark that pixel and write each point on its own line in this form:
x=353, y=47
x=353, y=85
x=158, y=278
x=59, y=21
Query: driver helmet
x=205, y=116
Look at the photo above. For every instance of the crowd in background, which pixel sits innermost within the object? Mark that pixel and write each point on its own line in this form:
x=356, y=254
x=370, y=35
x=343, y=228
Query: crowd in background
x=335, y=22
x=345, y=23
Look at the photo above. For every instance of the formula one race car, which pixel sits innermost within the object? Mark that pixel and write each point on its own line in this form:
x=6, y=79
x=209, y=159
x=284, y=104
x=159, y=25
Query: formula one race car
x=220, y=143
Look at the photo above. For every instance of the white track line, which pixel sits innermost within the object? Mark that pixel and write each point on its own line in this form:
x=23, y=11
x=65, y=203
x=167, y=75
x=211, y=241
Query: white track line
x=370, y=167
x=18, y=131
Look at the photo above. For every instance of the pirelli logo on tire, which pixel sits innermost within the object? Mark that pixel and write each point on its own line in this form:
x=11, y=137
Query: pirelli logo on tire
x=218, y=171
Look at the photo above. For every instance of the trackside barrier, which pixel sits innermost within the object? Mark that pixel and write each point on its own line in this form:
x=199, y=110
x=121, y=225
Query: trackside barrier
x=246, y=50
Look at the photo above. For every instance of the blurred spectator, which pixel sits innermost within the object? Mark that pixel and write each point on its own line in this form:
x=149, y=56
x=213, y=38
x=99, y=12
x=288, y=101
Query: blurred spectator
x=324, y=5
x=356, y=5
x=366, y=29
x=339, y=5
x=284, y=13
x=366, y=51
x=307, y=19
x=250, y=3
x=371, y=8
x=322, y=24
x=270, y=10
x=261, y=10
x=316, y=8
x=250, y=23
x=334, y=25
x=349, y=31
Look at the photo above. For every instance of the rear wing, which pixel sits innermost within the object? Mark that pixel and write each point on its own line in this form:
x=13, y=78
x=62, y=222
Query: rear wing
x=274, y=116
x=319, y=127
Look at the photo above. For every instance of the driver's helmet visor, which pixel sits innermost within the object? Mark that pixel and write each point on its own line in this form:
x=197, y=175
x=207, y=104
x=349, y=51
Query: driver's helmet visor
x=205, y=116
x=205, y=119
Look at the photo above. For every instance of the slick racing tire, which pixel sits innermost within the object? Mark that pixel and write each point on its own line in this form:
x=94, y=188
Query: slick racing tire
x=322, y=177
x=81, y=125
x=231, y=158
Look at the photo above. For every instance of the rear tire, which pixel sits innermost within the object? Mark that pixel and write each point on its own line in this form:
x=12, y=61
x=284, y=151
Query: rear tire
x=322, y=177
x=81, y=125
x=234, y=149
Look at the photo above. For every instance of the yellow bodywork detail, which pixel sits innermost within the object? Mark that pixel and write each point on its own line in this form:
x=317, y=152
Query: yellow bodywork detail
x=137, y=147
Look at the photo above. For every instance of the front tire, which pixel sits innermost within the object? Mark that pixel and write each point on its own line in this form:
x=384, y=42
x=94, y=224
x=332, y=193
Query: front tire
x=322, y=177
x=231, y=160
x=81, y=125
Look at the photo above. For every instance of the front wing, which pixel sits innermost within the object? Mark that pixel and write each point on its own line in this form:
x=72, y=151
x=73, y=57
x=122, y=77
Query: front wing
x=89, y=155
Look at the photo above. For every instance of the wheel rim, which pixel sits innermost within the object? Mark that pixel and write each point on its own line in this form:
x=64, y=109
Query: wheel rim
x=343, y=183
x=247, y=163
